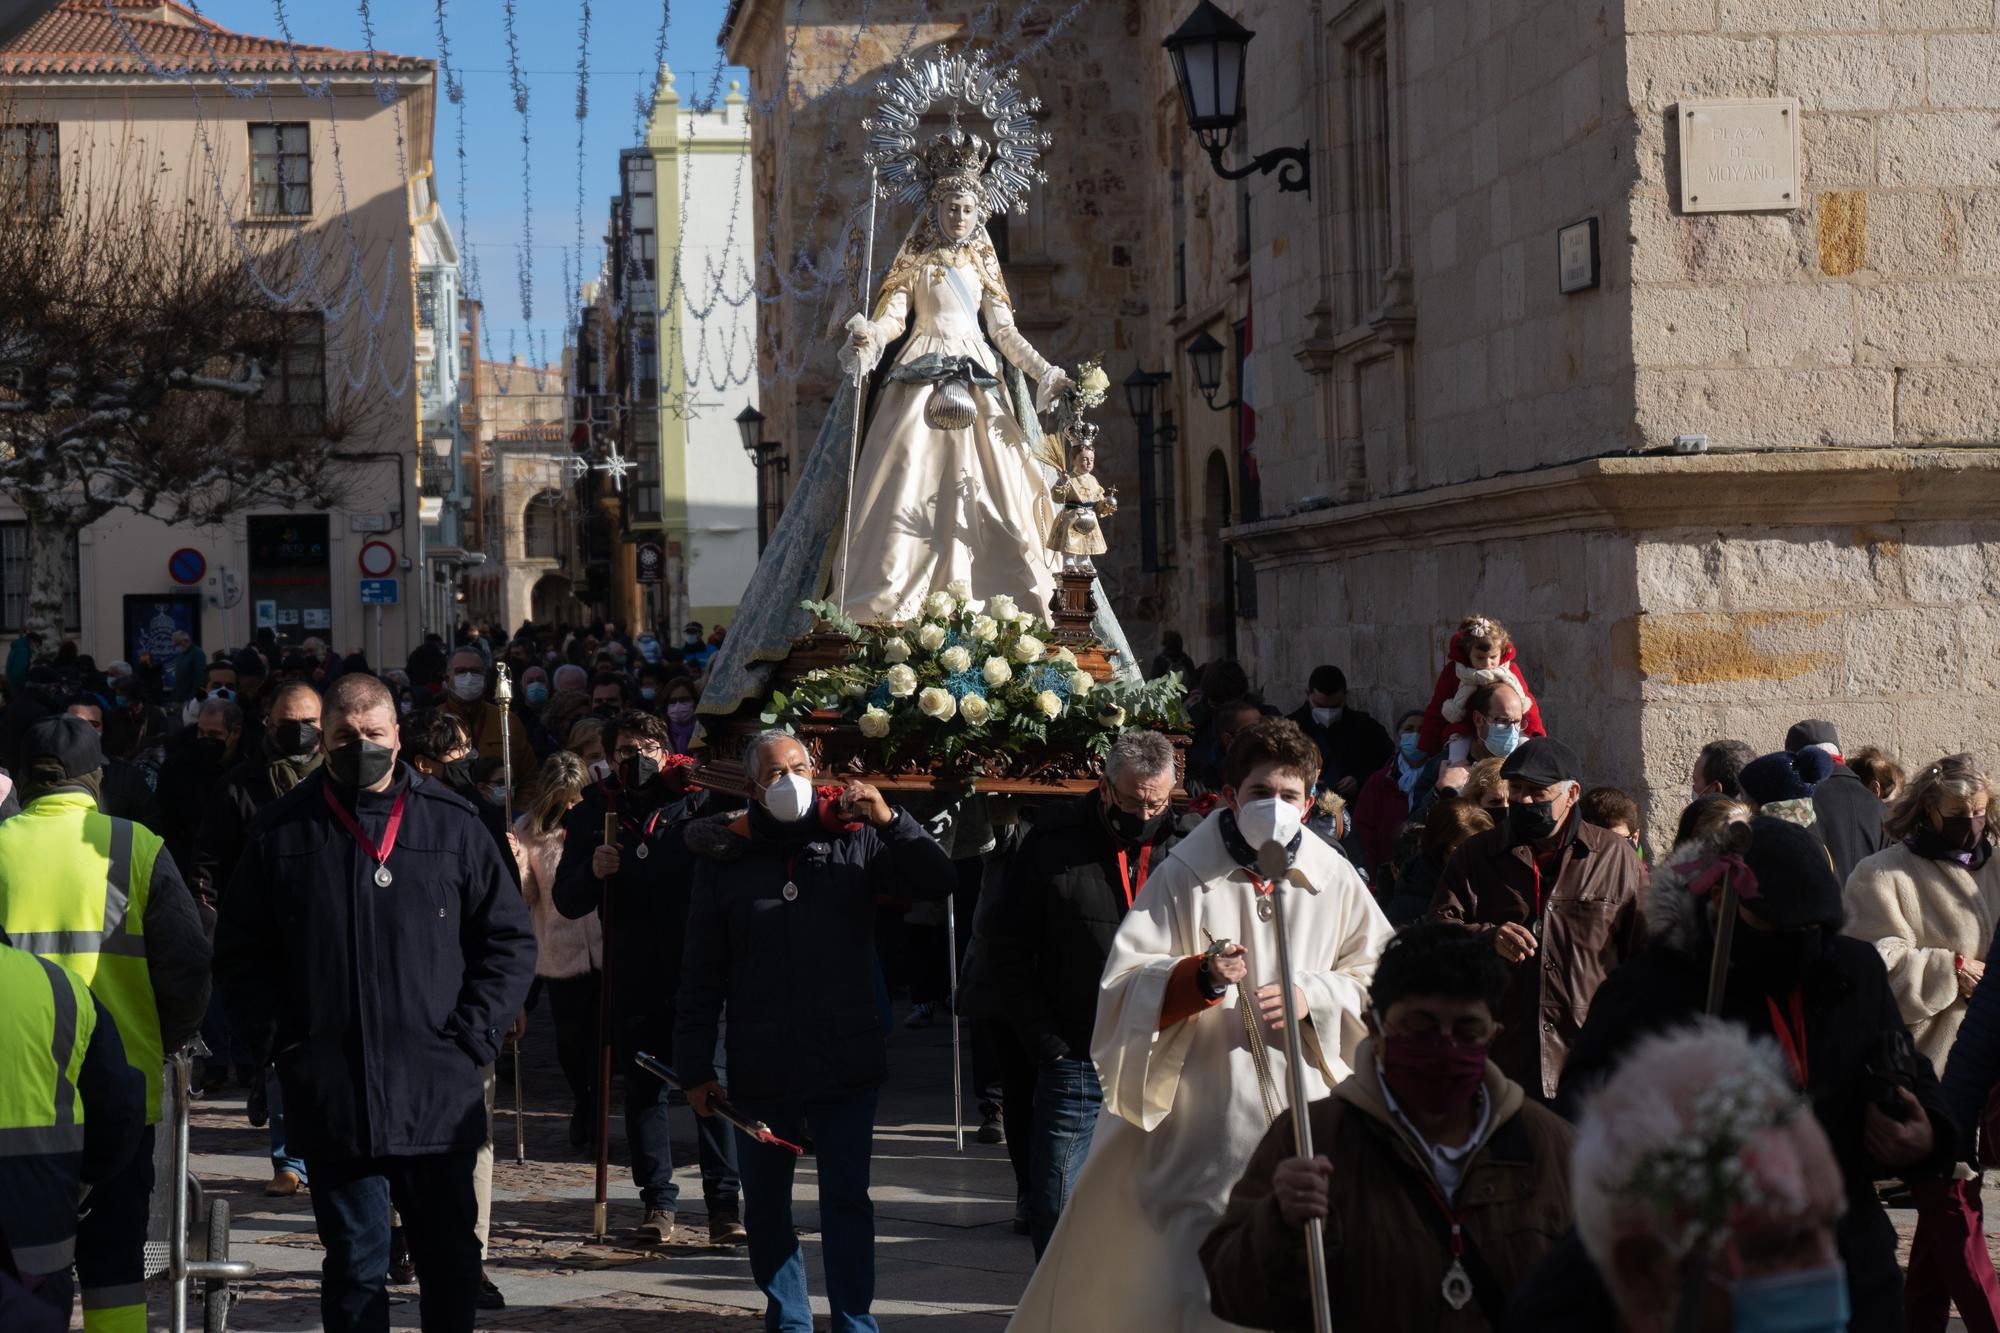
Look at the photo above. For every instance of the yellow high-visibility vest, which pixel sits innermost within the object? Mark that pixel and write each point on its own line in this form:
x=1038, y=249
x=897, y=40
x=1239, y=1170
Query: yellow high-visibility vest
x=46, y=1023
x=73, y=886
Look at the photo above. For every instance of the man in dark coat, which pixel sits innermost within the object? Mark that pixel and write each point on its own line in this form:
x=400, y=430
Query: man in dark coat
x=1558, y=899
x=1352, y=744
x=1823, y=998
x=125, y=794
x=782, y=929
x=646, y=873
x=1847, y=812
x=1067, y=886
x=286, y=753
x=421, y=955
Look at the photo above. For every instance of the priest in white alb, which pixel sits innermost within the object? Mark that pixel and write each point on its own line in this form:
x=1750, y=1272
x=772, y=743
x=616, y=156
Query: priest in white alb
x=1190, y=1048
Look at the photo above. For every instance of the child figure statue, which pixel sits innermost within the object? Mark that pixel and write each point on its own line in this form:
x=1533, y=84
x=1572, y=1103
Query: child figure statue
x=1078, y=532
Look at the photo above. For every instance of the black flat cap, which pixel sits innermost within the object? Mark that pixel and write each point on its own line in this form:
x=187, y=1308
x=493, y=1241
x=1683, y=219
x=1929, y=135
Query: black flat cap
x=1812, y=731
x=62, y=740
x=1542, y=761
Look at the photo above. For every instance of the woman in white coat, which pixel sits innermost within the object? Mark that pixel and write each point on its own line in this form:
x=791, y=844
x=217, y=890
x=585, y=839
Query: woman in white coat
x=1929, y=902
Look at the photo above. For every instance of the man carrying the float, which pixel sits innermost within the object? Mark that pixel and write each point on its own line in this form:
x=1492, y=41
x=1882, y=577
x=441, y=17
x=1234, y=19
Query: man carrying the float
x=1190, y=1048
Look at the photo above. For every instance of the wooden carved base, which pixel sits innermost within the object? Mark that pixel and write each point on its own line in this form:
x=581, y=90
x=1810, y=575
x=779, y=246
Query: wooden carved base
x=1073, y=607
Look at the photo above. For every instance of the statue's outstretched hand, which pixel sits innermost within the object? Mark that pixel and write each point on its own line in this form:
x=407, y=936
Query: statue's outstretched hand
x=859, y=353
x=1052, y=385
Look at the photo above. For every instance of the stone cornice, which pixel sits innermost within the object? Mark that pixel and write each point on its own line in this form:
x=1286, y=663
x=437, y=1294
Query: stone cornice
x=1632, y=494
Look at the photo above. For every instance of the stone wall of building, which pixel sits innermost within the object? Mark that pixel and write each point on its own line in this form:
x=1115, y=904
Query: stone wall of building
x=1871, y=314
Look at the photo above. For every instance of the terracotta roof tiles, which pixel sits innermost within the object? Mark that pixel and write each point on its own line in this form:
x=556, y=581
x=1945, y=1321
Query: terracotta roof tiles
x=81, y=37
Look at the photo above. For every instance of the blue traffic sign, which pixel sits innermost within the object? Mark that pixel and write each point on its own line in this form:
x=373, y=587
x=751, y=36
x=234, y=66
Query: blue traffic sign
x=187, y=565
x=378, y=592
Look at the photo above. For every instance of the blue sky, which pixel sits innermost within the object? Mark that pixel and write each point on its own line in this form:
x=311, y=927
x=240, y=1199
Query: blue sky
x=623, y=38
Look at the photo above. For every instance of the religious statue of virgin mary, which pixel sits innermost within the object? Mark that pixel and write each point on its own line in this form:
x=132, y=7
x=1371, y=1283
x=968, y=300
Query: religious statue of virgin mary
x=931, y=468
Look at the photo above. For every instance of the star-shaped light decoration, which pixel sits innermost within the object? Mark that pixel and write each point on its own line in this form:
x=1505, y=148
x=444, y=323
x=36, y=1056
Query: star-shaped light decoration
x=613, y=466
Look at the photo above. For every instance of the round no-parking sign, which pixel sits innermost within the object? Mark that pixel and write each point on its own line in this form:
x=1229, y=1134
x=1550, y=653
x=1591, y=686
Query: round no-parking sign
x=378, y=559
x=187, y=565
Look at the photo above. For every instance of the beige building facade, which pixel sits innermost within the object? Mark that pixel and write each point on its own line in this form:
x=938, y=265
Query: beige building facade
x=115, y=80
x=1437, y=426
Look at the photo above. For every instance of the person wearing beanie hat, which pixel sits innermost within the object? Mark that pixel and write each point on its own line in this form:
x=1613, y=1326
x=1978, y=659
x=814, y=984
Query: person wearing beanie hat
x=1781, y=785
x=1822, y=998
x=1847, y=812
x=73, y=884
x=1556, y=897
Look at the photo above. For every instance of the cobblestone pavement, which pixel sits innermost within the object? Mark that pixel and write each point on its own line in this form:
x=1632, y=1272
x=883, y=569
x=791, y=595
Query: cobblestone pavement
x=946, y=1257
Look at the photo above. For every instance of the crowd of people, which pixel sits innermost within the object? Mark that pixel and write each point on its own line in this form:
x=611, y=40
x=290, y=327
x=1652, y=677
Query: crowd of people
x=1555, y=1078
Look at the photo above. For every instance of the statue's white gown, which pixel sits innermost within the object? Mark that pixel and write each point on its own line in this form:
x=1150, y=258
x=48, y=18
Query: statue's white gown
x=933, y=506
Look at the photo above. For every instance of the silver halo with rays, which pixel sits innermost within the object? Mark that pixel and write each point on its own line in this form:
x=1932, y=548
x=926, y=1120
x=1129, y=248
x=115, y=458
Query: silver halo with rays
x=964, y=78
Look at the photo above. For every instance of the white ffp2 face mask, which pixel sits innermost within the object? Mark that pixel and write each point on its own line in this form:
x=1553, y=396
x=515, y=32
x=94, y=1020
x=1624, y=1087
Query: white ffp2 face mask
x=468, y=685
x=1268, y=820
x=789, y=798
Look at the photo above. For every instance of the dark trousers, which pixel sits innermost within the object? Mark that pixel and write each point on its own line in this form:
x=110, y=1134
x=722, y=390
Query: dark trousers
x=573, y=1006
x=1949, y=1262
x=649, y=1131
x=1067, y=1100
x=843, y=1132
x=351, y=1198
x=111, y=1244
x=1017, y=1095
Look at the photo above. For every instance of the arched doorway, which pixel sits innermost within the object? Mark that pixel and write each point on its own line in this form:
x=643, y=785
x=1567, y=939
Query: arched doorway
x=1218, y=561
x=549, y=601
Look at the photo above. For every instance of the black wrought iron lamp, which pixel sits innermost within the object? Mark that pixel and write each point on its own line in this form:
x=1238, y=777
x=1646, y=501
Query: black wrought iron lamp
x=767, y=456
x=1208, y=53
x=1206, y=355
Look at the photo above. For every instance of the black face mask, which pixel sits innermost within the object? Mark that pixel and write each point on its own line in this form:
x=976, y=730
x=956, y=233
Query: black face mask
x=1531, y=822
x=637, y=771
x=293, y=740
x=458, y=773
x=211, y=749
x=1960, y=835
x=360, y=763
x=1130, y=828
x=605, y=711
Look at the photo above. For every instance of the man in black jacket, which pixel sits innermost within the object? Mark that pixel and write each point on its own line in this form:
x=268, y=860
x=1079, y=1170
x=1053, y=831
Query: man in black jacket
x=421, y=956
x=1847, y=813
x=782, y=928
x=645, y=872
x=1069, y=884
x=1352, y=744
x=287, y=753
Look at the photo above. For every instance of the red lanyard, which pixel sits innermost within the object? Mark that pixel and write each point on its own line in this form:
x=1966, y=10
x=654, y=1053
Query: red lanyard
x=1457, y=1219
x=353, y=825
x=627, y=825
x=1124, y=875
x=1792, y=1035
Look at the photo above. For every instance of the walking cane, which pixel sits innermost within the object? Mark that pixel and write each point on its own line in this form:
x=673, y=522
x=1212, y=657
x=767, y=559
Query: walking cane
x=957, y=1088
x=1271, y=865
x=600, y=1209
x=1694, y=1268
x=503, y=695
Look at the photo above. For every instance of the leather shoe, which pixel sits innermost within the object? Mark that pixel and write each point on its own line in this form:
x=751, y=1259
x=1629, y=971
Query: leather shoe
x=657, y=1229
x=489, y=1295
x=725, y=1225
x=284, y=1184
